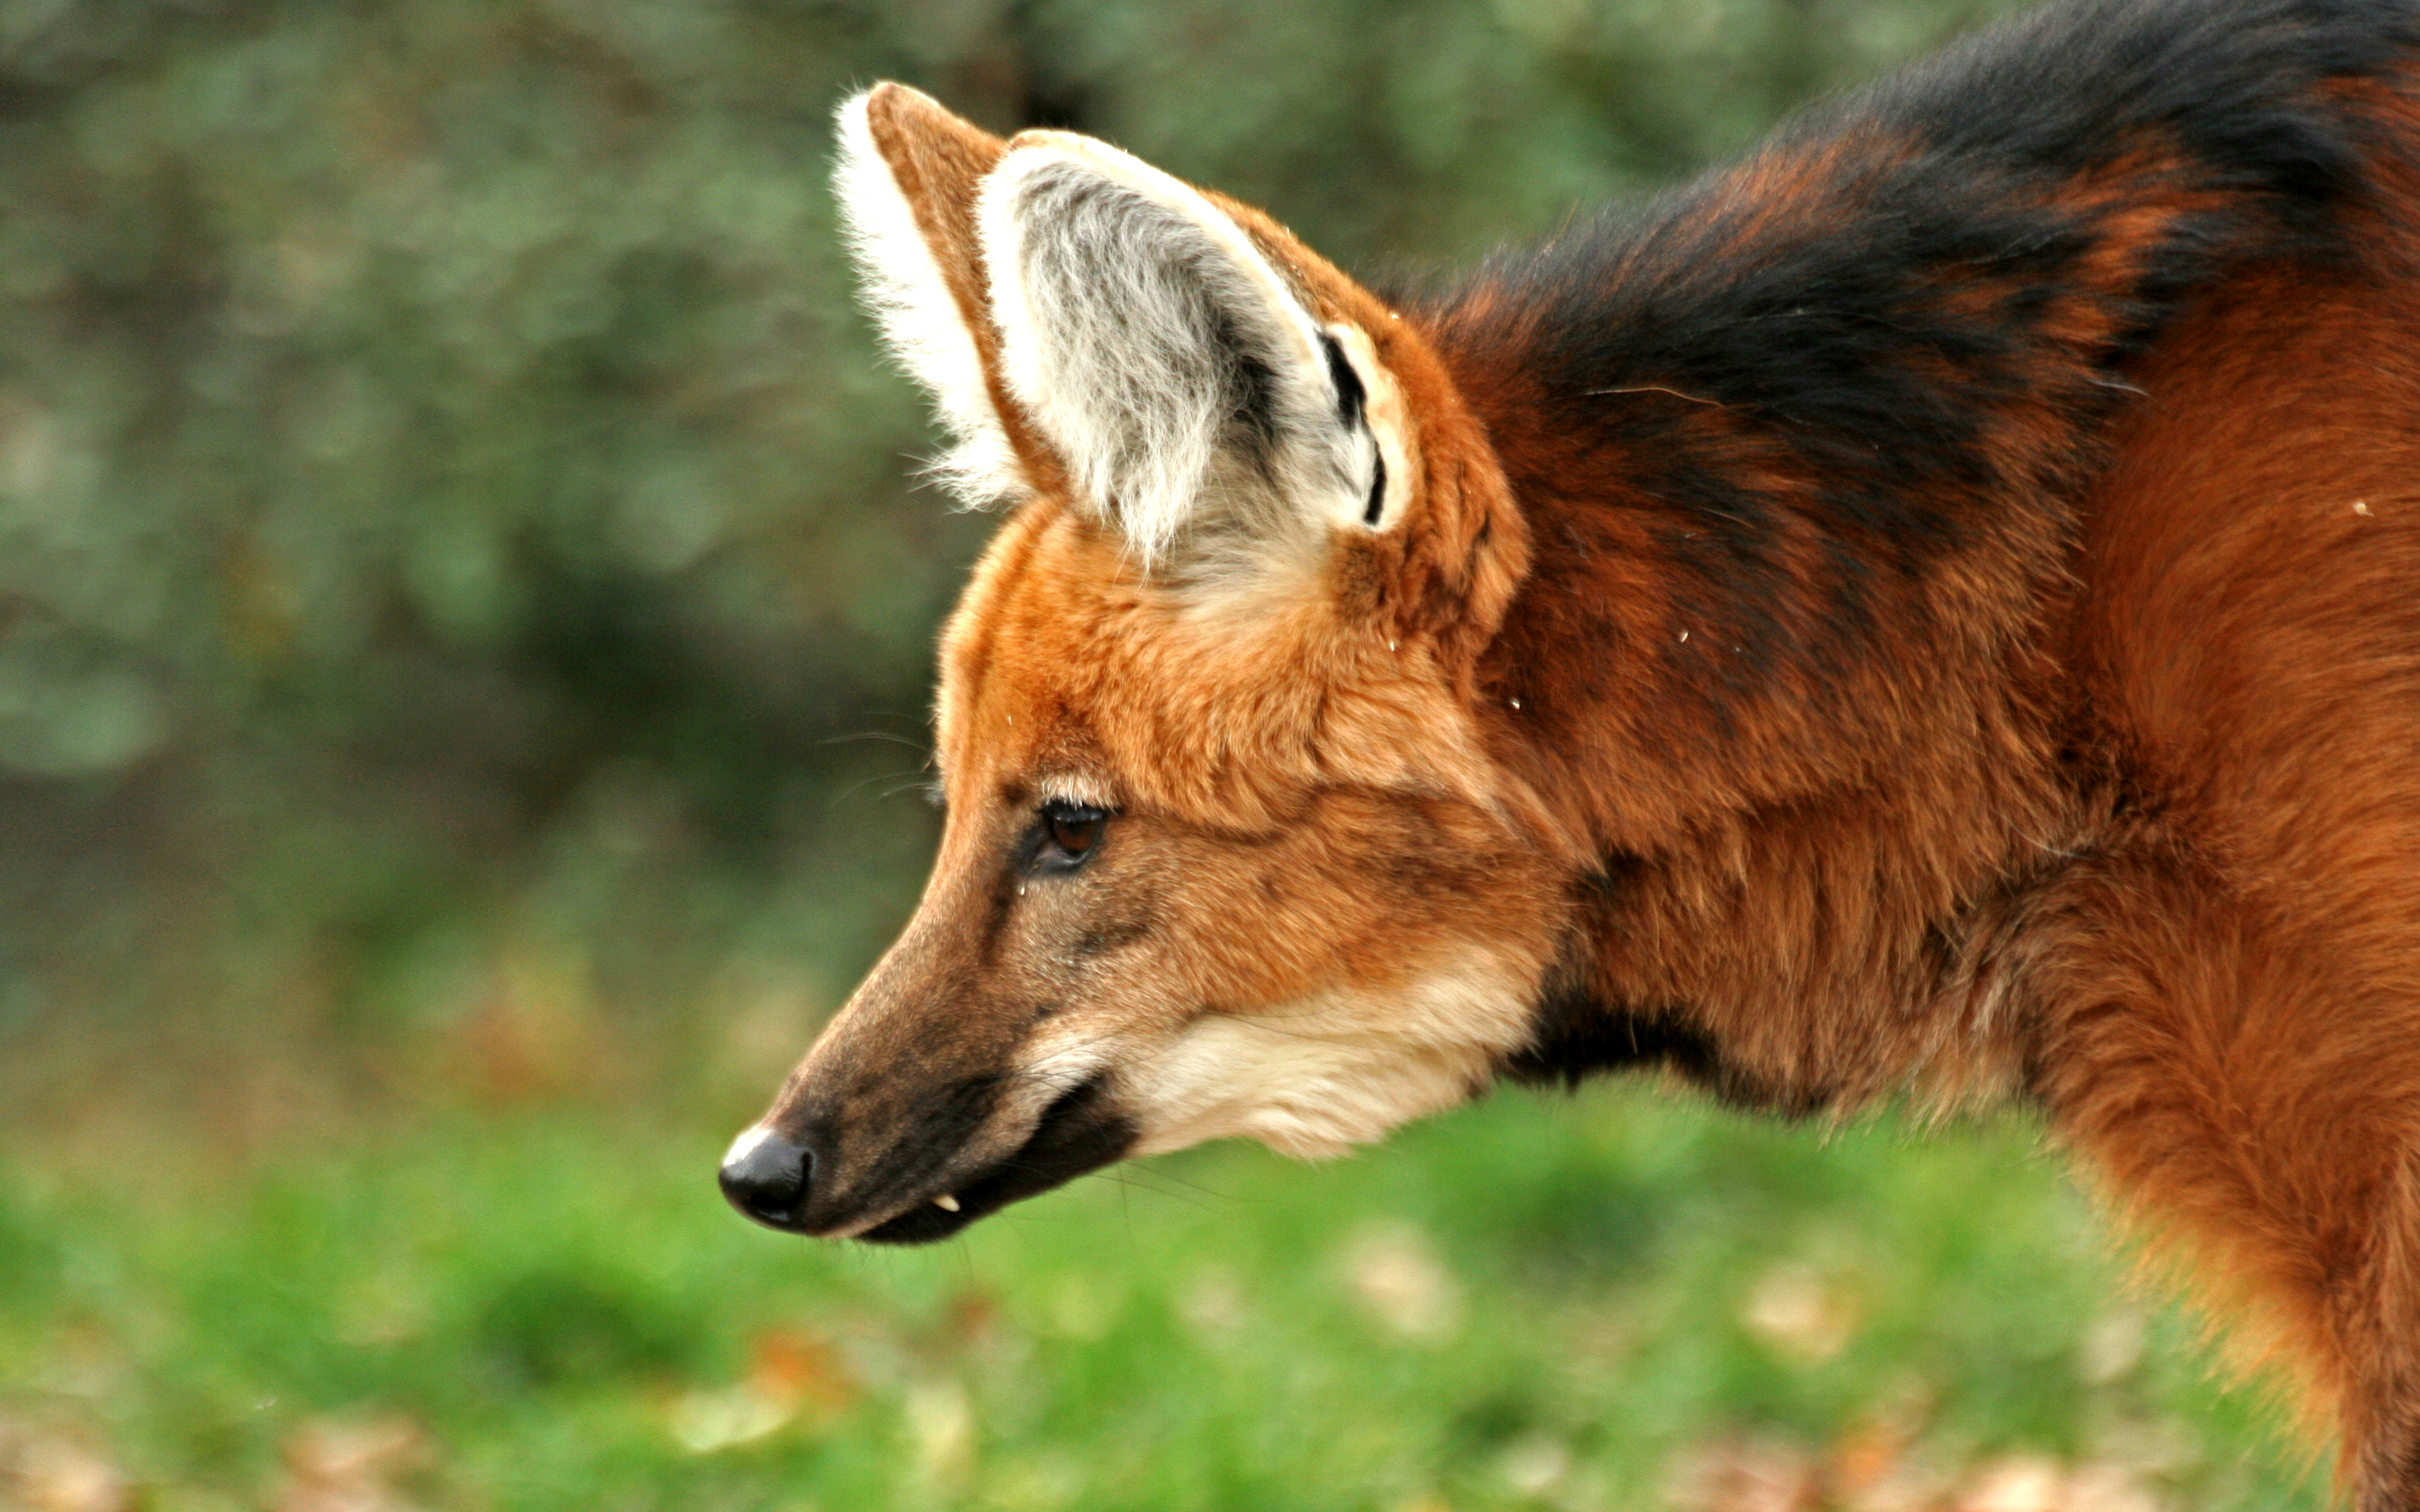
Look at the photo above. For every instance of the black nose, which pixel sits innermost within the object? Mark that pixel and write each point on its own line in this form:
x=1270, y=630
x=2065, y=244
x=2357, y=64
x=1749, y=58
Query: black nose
x=764, y=1176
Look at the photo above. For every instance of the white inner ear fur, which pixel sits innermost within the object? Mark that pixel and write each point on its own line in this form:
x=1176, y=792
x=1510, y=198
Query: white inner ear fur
x=901, y=286
x=1388, y=421
x=1175, y=372
x=1311, y=1078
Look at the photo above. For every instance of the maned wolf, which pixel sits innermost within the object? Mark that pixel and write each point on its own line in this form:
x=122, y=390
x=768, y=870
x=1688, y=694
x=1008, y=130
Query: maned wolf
x=1933, y=608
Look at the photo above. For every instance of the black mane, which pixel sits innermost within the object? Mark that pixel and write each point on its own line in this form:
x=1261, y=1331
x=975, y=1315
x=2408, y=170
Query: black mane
x=1807, y=286
x=1890, y=338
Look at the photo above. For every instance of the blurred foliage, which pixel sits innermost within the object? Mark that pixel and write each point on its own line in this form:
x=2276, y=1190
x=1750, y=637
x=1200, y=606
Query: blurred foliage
x=545, y=1313
x=465, y=613
x=454, y=527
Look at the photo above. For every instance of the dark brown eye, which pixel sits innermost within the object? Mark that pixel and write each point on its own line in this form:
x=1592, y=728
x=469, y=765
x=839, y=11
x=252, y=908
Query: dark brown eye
x=1073, y=830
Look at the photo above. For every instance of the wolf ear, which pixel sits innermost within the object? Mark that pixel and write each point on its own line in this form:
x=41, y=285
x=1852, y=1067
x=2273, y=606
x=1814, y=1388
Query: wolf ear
x=1179, y=378
x=907, y=177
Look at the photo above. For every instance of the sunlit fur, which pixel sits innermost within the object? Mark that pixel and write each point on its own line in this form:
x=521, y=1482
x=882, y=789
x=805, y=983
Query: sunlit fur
x=1931, y=609
x=905, y=288
x=1319, y=1074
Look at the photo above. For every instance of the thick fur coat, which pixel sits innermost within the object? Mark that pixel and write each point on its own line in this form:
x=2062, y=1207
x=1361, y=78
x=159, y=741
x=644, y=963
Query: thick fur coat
x=1931, y=608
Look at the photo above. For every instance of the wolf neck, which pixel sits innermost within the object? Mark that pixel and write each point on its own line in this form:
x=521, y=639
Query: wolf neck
x=1801, y=451
x=1800, y=446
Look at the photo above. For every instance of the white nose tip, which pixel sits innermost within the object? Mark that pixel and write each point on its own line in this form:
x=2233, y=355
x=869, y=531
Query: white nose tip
x=745, y=1145
x=764, y=1176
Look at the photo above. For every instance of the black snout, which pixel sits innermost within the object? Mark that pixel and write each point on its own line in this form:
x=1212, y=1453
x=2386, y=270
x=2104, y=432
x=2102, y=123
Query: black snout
x=765, y=1177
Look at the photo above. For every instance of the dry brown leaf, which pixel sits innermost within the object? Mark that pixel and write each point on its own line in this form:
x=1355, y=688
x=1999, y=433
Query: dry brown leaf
x=350, y=1464
x=46, y=1472
x=1908, y=1488
x=801, y=1369
x=1747, y=1476
x=535, y=1033
x=1800, y=1313
x=1214, y=1304
x=1535, y=1463
x=1874, y=1466
x=1396, y=1275
x=2030, y=1483
x=2107, y=1488
x=2019, y=1482
x=974, y=1316
x=941, y=1424
x=2112, y=1348
x=707, y=1421
x=1864, y=1456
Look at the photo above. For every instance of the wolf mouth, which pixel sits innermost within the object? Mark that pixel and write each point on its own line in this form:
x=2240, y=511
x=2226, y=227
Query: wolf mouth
x=1078, y=1132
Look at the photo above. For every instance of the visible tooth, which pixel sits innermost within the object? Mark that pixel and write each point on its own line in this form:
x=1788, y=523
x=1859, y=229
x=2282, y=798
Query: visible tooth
x=946, y=1203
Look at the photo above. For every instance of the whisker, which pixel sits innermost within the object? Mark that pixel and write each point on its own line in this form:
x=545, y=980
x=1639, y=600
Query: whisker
x=1206, y=1191
x=1658, y=387
x=1131, y=1181
x=863, y=783
x=920, y=748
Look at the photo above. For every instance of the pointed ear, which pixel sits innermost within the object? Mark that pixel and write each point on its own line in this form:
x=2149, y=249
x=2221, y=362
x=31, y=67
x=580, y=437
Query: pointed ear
x=907, y=175
x=1181, y=378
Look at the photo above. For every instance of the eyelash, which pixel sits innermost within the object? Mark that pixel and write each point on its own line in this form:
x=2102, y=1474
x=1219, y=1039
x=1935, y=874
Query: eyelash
x=1071, y=833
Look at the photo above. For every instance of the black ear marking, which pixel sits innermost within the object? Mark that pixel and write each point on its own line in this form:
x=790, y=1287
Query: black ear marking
x=1350, y=396
x=1351, y=402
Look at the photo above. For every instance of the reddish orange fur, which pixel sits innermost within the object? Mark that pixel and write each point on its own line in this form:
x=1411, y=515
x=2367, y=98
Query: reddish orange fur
x=2231, y=994
x=2118, y=807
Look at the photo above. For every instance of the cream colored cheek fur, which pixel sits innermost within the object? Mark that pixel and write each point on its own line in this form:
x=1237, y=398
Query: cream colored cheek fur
x=1315, y=1078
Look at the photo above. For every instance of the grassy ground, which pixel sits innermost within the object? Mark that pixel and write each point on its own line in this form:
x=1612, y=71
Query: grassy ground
x=1613, y=1300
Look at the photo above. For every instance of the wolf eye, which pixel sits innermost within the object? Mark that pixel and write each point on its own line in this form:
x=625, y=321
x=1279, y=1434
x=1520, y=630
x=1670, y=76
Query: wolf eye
x=1073, y=829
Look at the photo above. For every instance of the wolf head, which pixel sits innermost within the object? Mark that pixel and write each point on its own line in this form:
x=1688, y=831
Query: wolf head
x=1229, y=849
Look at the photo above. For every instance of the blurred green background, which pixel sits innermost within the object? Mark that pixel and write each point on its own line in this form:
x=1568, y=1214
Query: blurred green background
x=463, y=662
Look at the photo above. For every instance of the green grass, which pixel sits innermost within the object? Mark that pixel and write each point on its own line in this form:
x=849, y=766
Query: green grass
x=1535, y=1302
